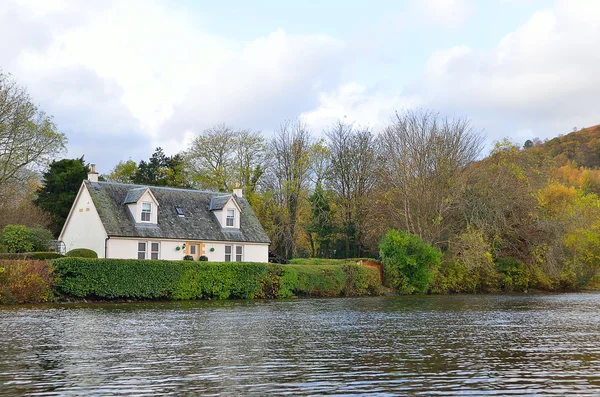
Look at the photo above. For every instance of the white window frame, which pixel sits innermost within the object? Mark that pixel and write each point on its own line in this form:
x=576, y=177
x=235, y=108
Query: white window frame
x=144, y=252
x=152, y=251
x=230, y=218
x=230, y=254
x=149, y=212
x=241, y=254
x=192, y=249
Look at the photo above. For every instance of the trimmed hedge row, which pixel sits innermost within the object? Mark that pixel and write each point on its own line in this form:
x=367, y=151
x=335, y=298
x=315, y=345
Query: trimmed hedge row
x=183, y=280
x=36, y=256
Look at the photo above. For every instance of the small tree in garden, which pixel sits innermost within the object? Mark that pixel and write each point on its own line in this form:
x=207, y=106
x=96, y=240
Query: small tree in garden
x=16, y=238
x=407, y=262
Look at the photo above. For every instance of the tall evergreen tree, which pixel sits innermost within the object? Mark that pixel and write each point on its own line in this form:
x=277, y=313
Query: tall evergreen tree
x=161, y=170
x=321, y=228
x=60, y=186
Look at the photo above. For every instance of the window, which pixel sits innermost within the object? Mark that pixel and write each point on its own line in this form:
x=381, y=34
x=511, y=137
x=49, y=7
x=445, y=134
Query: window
x=239, y=250
x=228, y=253
x=180, y=212
x=230, y=218
x=146, y=212
x=154, y=250
x=192, y=250
x=141, y=250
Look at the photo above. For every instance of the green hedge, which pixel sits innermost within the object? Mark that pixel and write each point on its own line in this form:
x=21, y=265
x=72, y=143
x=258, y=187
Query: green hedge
x=131, y=278
x=38, y=256
x=182, y=280
x=82, y=253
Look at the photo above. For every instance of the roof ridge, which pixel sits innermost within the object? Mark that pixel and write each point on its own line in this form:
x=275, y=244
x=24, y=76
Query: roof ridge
x=161, y=187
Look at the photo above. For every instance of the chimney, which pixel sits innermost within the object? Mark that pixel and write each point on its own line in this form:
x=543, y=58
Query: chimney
x=93, y=175
x=238, y=190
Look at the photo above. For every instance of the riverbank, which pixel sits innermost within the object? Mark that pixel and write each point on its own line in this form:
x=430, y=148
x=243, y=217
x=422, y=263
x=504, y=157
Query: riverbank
x=67, y=279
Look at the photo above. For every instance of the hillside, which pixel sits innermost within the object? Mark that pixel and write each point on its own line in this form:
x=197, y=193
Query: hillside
x=581, y=147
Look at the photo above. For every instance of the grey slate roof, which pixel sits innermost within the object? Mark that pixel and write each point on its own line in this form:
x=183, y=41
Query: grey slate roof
x=217, y=203
x=133, y=195
x=199, y=223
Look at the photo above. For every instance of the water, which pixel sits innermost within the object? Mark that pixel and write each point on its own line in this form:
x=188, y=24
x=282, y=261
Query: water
x=473, y=345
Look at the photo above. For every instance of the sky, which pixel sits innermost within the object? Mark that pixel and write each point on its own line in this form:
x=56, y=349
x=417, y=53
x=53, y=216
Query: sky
x=124, y=77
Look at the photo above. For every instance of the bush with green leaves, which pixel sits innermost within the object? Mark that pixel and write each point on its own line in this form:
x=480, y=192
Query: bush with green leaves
x=408, y=262
x=82, y=253
x=203, y=258
x=468, y=265
x=188, y=258
x=40, y=238
x=37, y=256
x=514, y=276
x=17, y=238
x=161, y=279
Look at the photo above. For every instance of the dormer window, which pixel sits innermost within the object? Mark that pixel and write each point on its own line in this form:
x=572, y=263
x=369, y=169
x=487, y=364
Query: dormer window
x=230, y=218
x=146, y=212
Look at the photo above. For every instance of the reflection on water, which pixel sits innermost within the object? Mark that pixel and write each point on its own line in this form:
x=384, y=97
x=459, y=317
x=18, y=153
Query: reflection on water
x=496, y=345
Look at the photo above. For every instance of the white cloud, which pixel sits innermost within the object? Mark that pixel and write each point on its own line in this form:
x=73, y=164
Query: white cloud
x=356, y=103
x=540, y=80
x=150, y=70
x=124, y=77
x=446, y=13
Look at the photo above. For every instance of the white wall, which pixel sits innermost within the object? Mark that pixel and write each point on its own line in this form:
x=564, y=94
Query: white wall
x=252, y=252
x=84, y=228
x=127, y=249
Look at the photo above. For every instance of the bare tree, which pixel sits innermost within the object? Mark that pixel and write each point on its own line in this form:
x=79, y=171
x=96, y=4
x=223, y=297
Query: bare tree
x=424, y=157
x=351, y=178
x=28, y=136
x=288, y=177
x=250, y=159
x=211, y=158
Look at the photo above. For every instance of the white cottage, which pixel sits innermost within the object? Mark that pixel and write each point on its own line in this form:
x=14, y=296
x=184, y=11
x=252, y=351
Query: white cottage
x=147, y=222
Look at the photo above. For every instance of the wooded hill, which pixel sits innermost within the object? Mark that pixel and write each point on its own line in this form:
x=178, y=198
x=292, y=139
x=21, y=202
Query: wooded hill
x=580, y=147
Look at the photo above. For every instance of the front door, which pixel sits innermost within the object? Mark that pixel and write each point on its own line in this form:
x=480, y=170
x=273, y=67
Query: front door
x=195, y=251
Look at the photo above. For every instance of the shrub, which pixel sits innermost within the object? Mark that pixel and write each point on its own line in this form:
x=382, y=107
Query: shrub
x=278, y=282
x=513, y=274
x=468, y=265
x=16, y=238
x=44, y=255
x=453, y=277
x=82, y=253
x=203, y=258
x=318, y=280
x=188, y=258
x=361, y=280
x=31, y=255
x=407, y=262
x=25, y=281
x=40, y=238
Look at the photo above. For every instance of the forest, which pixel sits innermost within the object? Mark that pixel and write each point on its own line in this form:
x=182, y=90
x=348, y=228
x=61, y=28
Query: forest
x=523, y=217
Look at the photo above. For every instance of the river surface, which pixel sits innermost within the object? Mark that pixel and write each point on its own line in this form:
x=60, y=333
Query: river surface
x=434, y=345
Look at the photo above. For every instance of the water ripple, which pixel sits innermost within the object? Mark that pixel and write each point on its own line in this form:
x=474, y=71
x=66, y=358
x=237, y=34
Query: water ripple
x=546, y=345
